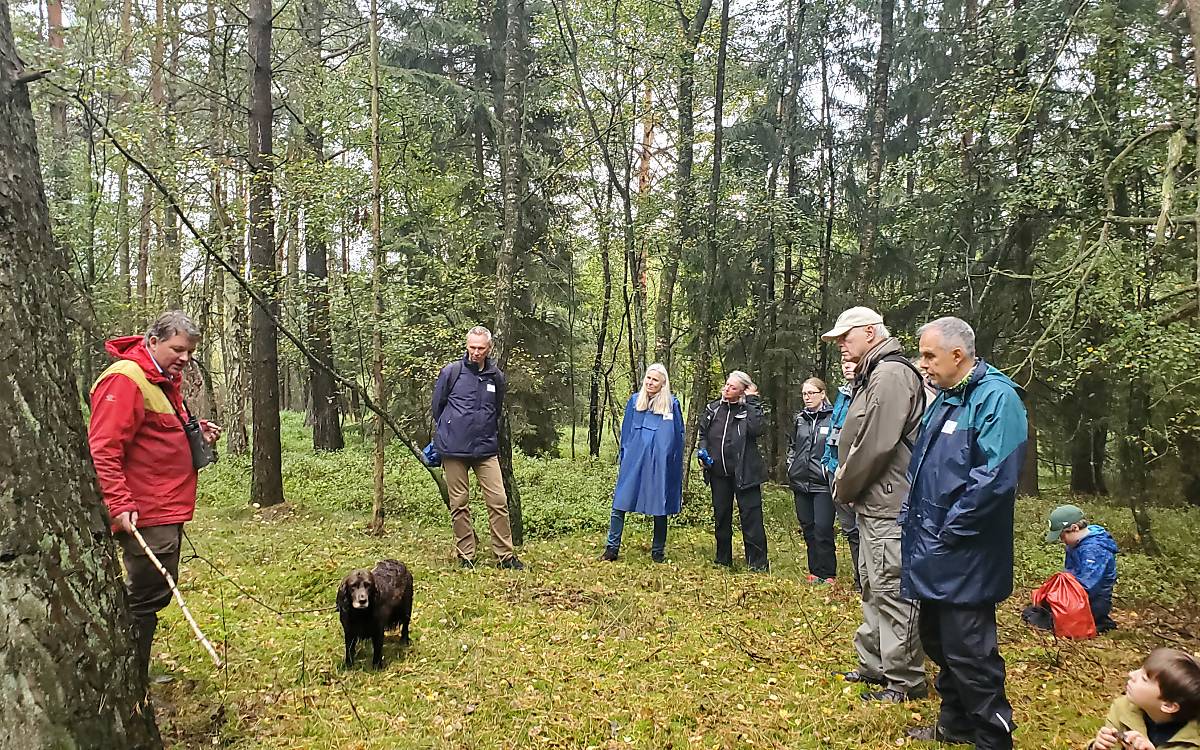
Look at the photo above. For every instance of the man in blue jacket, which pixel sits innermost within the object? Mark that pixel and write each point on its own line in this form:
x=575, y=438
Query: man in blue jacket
x=957, y=538
x=1091, y=556
x=467, y=400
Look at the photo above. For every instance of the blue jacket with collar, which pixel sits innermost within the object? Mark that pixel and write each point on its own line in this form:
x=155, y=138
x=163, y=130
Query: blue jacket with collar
x=466, y=409
x=957, y=535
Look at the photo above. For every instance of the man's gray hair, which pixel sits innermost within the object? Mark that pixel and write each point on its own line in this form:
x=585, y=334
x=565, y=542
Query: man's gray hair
x=170, y=324
x=881, y=331
x=481, y=331
x=955, y=333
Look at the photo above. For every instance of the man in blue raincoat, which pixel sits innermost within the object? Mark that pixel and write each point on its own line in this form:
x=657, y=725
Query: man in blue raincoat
x=957, y=532
x=650, y=477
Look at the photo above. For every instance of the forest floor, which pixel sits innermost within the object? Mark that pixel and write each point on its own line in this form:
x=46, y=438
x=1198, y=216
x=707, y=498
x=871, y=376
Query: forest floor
x=577, y=653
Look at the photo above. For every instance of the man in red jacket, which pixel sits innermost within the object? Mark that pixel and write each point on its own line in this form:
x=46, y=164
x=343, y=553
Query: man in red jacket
x=144, y=461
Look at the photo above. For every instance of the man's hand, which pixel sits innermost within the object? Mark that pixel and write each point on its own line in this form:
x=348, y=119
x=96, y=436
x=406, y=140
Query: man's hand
x=210, y=430
x=126, y=521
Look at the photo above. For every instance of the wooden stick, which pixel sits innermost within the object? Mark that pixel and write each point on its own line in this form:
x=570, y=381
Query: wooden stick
x=178, y=597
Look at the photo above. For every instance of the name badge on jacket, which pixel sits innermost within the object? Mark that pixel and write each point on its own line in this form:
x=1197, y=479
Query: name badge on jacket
x=491, y=387
x=949, y=426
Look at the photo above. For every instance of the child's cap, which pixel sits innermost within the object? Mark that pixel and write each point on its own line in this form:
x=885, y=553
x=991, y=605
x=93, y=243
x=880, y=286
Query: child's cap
x=1060, y=518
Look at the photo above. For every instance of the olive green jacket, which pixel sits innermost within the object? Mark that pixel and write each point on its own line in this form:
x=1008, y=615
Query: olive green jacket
x=1124, y=716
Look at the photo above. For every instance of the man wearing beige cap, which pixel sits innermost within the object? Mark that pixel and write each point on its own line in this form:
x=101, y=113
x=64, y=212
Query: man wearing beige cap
x=874, y=448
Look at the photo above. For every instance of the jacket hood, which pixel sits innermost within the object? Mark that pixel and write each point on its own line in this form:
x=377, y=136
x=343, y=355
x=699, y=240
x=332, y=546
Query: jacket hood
x=1099, y=536
x=985, y=373
x=822, y=410
x=890, y=345
x=133, y=349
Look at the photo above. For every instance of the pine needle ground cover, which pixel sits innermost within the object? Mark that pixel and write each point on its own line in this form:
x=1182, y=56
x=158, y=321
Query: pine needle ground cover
x=577, y=653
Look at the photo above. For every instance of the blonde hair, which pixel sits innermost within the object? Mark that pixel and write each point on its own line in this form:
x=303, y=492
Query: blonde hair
x=660, y=403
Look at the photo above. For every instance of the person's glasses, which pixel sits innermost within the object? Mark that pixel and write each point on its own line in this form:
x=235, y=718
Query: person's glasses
x=811, y=393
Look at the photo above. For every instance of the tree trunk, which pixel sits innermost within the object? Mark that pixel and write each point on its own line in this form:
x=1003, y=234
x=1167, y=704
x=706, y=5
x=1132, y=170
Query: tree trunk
x=378, y=259
x=595, y=403
x=708, y=318
x=327, y=425
x=1087, y=408
x=512, y=119
x=878, y=125
x=266, y=485
x=71, y=677
x=684, y=189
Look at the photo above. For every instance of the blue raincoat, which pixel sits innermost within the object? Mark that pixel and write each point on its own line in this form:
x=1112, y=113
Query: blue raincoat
x=1093, y=562
x=957, y=523
x=650, y=477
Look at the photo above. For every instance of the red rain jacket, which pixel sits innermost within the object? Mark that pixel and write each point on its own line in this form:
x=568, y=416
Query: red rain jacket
x=138, y=444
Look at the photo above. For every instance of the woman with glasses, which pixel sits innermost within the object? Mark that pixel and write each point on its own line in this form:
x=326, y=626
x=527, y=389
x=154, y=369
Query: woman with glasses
x=810, y=481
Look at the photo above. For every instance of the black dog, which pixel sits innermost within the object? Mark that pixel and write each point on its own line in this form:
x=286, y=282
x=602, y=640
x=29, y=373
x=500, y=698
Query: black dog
x=372, y=601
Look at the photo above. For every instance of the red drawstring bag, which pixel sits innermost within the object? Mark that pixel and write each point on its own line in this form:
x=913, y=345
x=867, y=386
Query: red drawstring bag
x=1068, y=602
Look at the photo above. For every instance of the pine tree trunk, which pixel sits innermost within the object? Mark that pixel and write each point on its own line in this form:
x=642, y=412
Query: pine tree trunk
x=326, y=422
x=685, y=191
x=266, y=484
x=71, y=678
x=878, y=125
x=708, y=320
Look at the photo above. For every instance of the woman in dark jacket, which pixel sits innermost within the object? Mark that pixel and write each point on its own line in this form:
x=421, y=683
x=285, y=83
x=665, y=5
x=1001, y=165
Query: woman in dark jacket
x=810, y=481
x=733, y=467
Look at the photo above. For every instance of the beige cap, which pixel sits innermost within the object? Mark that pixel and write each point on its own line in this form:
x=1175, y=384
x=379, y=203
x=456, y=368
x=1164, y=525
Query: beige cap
x=852, y=318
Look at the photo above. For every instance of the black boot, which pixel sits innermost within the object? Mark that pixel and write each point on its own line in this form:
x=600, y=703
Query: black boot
x=143, y=640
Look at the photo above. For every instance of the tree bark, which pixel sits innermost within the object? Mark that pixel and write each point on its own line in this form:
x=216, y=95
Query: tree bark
x=512, y=119
x=327, y=425
x=878, y=127
x=71, y=678
x=378, y=260
x=266, y=485
x=708, y=317
x=684, y=189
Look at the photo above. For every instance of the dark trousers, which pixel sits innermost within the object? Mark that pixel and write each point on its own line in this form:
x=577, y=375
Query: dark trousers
x=814, y=511
x=754, y=536
x=616, y=529
x=849, y=526
x=962, y=642
x=146, y=590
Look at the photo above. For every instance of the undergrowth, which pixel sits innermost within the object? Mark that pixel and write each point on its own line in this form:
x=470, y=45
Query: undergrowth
x=575, y=653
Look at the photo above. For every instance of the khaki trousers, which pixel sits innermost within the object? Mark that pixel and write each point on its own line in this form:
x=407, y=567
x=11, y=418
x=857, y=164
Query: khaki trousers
x=888, y=641
x=491, y=482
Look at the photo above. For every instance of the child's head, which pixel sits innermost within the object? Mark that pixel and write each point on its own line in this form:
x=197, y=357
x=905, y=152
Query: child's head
x=1166, y=686
x=1067, y=525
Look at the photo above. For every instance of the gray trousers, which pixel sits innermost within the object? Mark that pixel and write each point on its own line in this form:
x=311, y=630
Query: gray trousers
x=888, y=641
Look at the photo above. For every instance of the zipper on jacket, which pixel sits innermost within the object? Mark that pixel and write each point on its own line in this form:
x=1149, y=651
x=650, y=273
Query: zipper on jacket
x=724, y=432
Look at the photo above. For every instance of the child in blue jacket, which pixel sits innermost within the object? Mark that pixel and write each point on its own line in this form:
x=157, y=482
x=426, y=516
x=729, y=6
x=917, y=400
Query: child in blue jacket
x=1091, y=556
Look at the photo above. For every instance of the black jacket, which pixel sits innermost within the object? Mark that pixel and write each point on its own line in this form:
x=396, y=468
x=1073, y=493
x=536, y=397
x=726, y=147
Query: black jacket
x=806, y=446
x=729, y=432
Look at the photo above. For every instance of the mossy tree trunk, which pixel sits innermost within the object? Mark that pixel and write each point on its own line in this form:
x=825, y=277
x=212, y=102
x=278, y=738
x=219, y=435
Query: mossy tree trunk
x=69, y=672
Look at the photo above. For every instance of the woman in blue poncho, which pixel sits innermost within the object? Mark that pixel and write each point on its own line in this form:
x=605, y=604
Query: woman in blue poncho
x=650, y=476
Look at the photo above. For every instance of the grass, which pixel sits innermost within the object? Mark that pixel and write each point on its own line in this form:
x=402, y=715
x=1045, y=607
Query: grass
x=575, y=653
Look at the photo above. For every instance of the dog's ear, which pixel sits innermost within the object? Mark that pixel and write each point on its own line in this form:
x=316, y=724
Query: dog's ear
x=343, y=595
x=371, y=590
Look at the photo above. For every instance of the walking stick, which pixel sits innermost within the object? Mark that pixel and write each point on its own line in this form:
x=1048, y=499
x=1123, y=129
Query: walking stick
x=178, y=597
